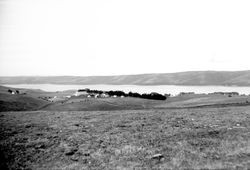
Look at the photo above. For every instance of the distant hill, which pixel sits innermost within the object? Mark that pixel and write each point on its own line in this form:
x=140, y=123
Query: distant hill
x=228, y=78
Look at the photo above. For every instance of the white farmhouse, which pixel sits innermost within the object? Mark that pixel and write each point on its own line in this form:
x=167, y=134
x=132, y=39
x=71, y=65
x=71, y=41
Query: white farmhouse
x=79, y=93
x=104, y=95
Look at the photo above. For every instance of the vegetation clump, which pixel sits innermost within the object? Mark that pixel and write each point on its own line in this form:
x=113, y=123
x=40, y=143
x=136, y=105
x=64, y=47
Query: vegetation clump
x=153, y=95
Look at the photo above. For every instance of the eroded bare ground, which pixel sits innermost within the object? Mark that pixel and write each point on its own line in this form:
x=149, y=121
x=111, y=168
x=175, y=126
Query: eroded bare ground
x=205, y=138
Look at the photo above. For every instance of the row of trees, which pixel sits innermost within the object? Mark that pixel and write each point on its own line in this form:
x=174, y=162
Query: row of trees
x=155, y=96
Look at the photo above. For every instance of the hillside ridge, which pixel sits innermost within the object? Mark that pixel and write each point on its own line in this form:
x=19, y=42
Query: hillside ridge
x=226, y=78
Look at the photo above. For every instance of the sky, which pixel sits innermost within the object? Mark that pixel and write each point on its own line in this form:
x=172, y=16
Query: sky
x=117, y=37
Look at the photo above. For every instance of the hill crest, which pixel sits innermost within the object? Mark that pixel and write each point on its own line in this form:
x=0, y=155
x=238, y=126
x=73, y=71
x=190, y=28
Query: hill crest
x=201, y=78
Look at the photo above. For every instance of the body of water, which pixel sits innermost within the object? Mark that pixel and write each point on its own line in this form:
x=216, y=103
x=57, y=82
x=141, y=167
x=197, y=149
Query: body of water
x=172, y=89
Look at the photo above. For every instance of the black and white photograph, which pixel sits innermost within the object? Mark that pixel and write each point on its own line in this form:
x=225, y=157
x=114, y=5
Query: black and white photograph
x=124, y=84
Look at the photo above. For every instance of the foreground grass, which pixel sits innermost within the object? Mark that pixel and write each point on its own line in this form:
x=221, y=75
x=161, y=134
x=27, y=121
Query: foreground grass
x=204, y=138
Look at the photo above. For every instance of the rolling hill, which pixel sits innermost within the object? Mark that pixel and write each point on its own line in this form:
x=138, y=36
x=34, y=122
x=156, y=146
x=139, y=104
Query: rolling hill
x=26, y=100
x=228, y=78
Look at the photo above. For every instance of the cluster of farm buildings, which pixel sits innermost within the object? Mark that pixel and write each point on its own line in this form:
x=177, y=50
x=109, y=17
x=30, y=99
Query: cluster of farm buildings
x=220, y=93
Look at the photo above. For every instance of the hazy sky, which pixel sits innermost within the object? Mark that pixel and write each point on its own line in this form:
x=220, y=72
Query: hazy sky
x=105, y=37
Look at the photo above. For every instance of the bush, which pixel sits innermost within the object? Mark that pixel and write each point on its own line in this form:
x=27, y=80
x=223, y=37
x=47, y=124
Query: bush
x=154, y=96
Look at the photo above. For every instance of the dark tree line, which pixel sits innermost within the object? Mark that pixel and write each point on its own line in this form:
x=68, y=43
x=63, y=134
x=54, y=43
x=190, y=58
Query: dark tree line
x=154, y=96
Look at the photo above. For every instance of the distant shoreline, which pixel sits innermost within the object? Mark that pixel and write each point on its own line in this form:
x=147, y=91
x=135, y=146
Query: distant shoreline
x=162, y=89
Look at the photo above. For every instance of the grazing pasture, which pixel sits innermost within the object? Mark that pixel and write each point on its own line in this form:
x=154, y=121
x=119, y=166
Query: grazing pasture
x=191, y=138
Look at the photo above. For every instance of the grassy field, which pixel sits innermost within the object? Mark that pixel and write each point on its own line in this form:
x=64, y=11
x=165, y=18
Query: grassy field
x=97, y=104
x=128, y=103
x=194, y=138
x=204, y=100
